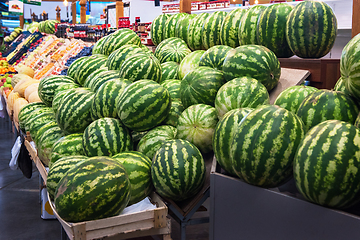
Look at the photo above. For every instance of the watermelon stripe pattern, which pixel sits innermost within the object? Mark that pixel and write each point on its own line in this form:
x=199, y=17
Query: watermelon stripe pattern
x=170, y=25
x=98, y=46
x=182, y=26
x=178, y=170
x=67, y=146
x=157, y=28
x=173, y=51
x=94, y=74
x=120, y=38
x=248, y=25
x=189, y=63
x=214, y=57
x=74, y=66
x=194, y=31
x=229, y=33
x=175, y=111
x=88, y=66
x=32, y=116
x=169, y=70
x=48, y=86
x=116, y=58
x=59, y=97
x=309, y=40
x=327, y=163
x=210, y=33
x=25, y=111
x=102, y=78
x=173, y=86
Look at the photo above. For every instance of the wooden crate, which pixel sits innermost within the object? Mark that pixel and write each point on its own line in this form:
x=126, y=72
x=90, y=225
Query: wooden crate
x=139, y=224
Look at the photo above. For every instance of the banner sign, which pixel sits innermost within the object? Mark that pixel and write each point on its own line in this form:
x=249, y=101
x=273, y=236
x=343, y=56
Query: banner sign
x=16, y=7
x=33, y=2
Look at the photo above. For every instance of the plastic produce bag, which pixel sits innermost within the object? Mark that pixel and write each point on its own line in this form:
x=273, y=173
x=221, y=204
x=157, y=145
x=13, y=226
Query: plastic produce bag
x=15, y=154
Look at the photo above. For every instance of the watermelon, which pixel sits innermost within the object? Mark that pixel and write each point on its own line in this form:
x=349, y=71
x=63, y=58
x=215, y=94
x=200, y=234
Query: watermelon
x=169, y=70
x=325, y=105
x=178, y=170
x=98, y=46
x=102, y=49
x=214, y=57
x=136, y=136
x=64, y=87
x=143, y=105
x=102, y=78
x=175, y=51
x=59, y=97
x=106, y=137
x=210, y=32
x=224, y=134
x=175, y=111
x=340, y=86
x=141, y=66
x=67, y=146
x=182, y=26
x=173, y=86
x=88, y=66
x=271, y=29
x=200, y=86
x=357, y=121
x=37, y=121
x=116, y=58
x=32, y=116
x=154, y=138
x=253, y=61
x=147, y=49
x=194, y=31
x=74, y=66
x=78, y=199
x=25, y=111
x=190, y=62
x=94, y=74
x=138, y=168
x=104, y=102
x=240, y=93
x=264, y=146
x=311, y=29
x=292, y=97
x=48, y=86
x=120, y=38
x=229, y=33
x=197, y=125
x=326, y=164
x=157, y=28
x=73, y=114
x=58, y=170
x=170, y=25
x=248, y=25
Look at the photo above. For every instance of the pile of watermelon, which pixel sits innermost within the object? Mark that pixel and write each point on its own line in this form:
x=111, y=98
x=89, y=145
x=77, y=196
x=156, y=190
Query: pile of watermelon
x=47, y=26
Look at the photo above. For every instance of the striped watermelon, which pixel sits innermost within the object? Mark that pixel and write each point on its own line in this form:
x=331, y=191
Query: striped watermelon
x=182, y=27
x=173, y=51
x=59, y=97
x=194, y=31
x=138, y=168
x=311, y=29
x=102, y=49
x=58, y=170
x=154, y=138
x=48, y=86
x=175, y=111
x=190, y=62
x=64, y=87
x=264, y=146
x=210, y=32
x=224, y=134
x=69, y=145
x=98, y=46
x=357, y=121
x=271, y=29
x=147, y=49
x=242, y=92
x=38, y=121
x=326, y=164
x=292, y=97
x=143, y=105
x=107, y=198
x=170, y=25
x=169, y=70
x=101, y=78
x=200, y=86
x=136, y=136
x=197, y=125
x=214, y=57
x=74, y=66
x=248, y=25
x=120, y=38
x=157, y=28
x=178, y=170
x=32, y=116
x=141, y=66
x=173, y=86
x=253, y=61
x=104, y=102
x=340, y=85
x=229, y=33
x=89, y=79
x=106, y=137
x=88, y=66
x=325, y=105
x=117, y=57
x=73, y=114
x=25, y=111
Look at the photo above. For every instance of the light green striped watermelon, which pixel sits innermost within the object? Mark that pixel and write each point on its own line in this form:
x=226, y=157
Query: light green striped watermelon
x=25, y=111
x=173, y=86
x=214, y=57
x=117, y=57
x=248, y=25
x=107, y=198
x=32, y=116
x=153, y=139
x=64, y=87
x=73, y=114
x=68, y=145
x=102, y=49
x=210, y=32
x=311, y=29
x=194, y=31
x=101, y=78
x=173, y=51
x=244, y=92
x=175, y=111
x=74, y=66
x=265, y=144
x=90, y=78
x=143, y=105
x=48, y=86
x=98, y=46
x=169, y=70
x=327, y=163
x=58, y=98
x=120, y=38
x=200, y=86
x=271, y=29
x=170, y=25
x=340, y=85
x=136, y=136
x=138, y=168
x=88, y=66
x=292, y=97
x=157, y=28
x=253, y=61
x=229, y=33
x=147, y=50
x=178, y=170
x=104, y=102
x=58, y=170
x=106, y=137
x=325, y=105
x=182, y=27
x=224, y=134
x=190, y=62
x=141, y=66
x=38, y=121
x=197, y=125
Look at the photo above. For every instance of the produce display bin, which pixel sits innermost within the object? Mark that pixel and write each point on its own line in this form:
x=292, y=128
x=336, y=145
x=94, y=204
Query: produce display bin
x=33, y=154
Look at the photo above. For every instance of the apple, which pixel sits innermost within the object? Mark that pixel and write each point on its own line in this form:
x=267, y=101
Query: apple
x=8, y=79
